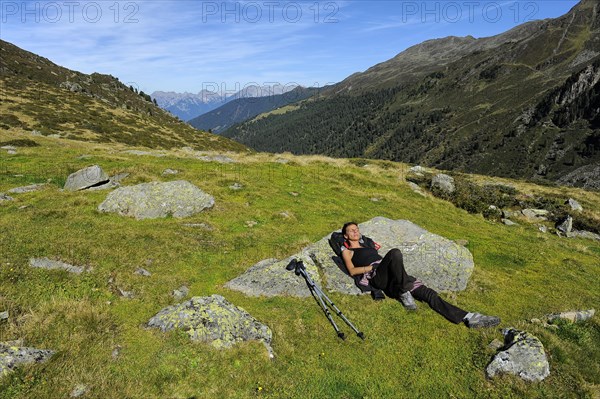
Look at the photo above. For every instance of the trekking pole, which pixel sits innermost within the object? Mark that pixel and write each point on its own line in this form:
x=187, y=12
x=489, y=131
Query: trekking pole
x=299, y=269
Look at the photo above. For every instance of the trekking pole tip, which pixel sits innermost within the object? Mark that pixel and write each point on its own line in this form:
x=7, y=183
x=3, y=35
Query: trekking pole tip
x=341, y=335
x=361, y=335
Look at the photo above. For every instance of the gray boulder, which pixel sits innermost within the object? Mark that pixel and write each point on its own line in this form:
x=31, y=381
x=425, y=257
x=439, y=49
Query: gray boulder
x=45, y=263
x=523, y=355
x=535, y=214
x=565, y=226
x=585, y=234
x=181, y=292
x=270, y=278
x=71, y=86
x=86, y=178
x=444, y=183
x=13, y=356
x=213, y=320
x=157, y=200
x=438, y=262
x=574, y=205
x=4, y=197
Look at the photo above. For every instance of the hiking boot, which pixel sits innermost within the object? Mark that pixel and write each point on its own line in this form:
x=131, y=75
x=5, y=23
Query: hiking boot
x=408, y=301
x=479, y=321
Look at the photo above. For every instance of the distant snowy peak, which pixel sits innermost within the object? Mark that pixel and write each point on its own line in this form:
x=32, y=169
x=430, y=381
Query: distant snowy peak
x=187, y=106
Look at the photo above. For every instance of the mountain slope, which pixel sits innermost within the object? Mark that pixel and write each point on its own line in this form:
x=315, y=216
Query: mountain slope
x=42, y=96
x=471, y=113
x=242, y=109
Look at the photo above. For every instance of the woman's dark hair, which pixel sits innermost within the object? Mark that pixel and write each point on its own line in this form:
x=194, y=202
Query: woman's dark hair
x=346, y=226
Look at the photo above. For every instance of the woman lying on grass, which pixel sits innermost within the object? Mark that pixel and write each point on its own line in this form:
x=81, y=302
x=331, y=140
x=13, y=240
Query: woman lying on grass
x=388, y=274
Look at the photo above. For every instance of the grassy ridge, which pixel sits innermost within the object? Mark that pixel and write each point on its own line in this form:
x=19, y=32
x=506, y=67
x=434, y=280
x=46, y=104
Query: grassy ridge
x=520, y=274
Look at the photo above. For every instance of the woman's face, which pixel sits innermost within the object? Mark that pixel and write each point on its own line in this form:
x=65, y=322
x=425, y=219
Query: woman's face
x=352, y=233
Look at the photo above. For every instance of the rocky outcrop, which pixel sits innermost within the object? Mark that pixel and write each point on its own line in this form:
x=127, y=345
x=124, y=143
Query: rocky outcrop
x=157, y=200
x=12, y=356
x=522, y=355
x=438, y=262
x=213, y=320
x=587, y=177
x=86, y=178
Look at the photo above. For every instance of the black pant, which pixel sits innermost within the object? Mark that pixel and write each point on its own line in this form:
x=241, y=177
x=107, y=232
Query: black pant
x=391, y=277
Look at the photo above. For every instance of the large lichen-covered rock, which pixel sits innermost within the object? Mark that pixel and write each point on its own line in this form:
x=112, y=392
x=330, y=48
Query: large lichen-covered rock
x=86, y=178
x=12, y=356
x=438, y=262
x=270, y=278
x=213, y=320
x=523, y=355
x=157, y=200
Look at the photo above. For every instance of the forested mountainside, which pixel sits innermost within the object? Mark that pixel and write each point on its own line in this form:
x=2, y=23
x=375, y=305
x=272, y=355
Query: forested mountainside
x=520, y=104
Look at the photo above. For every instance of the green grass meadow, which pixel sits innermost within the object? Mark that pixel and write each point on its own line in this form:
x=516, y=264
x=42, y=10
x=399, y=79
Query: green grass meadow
x=520, y=274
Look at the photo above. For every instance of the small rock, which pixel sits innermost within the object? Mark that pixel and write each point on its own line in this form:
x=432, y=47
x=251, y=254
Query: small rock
x=375, y=199
x=285, y=215
x=4, y=315
x=536, y=321
x=294, y=194
x=79, y=390
x=12, y=356
x=443, y=183
x=36, y=133
x=27, y=189
x=506, y=214
x=143, y=272
x=46, y=263
x=200, y=225
x=4, y=197
x=236, y=186
x=116, y=352
x=281, y=160
x=565, y=226
x=8, y=147
x=575, y=206
x=167, y=172
x=181, y=293
x=523, y=356
x=126, y=294
x=508, y=222
x=251, y=223
x=11, y=152
x=493, y=207
x=535, y=214
x=572, y=316
x=585, y=234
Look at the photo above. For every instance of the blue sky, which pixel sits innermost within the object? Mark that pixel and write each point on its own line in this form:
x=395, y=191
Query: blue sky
x=190, y=45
